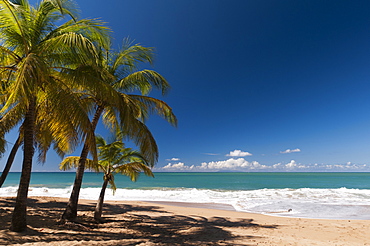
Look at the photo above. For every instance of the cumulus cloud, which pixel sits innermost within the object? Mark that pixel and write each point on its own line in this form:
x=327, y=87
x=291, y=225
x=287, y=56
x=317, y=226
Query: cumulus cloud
x=173, y=159
x=292, y=164
x=320, y=167
x=288, y=151
x=242, y=165
x=231, y=164
x=238, y=153
x=177, y=167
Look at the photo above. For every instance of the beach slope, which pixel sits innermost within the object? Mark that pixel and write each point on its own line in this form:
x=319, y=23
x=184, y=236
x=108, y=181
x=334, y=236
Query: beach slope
x=147, y=224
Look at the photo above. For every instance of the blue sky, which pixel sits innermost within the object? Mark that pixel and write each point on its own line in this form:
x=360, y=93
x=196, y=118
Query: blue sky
x=256, y=85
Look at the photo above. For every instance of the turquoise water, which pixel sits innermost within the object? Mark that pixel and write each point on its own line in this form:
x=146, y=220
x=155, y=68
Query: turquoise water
x=312, y=195
x=222, y=181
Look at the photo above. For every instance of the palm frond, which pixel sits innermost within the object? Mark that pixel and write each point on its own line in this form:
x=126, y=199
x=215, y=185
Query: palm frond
x=93, y=29
x=112, y=184
x=9, y=19
x=133, y=170
x=130, y=55
x=150, y=105
x=69, y=163
x=12, y=118
x=143, y=81
x=3, y=144
x=73, y=161
x=32, y=72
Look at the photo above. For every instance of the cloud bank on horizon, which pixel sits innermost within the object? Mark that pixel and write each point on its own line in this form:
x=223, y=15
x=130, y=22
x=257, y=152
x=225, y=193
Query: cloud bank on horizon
x=239, y=164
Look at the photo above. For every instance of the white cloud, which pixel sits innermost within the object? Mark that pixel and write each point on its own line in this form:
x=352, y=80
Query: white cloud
x=288, y=151
x=177, y=167
x=238, y=153
x=277, y=165
x=173, y=159
x=320, y=167
x=242, y=165
x=231, y=164
x=291, y=164
x=210, y=154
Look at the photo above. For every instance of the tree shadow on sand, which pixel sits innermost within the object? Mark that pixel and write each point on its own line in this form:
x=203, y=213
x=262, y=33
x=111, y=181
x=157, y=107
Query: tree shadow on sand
x=123, y=225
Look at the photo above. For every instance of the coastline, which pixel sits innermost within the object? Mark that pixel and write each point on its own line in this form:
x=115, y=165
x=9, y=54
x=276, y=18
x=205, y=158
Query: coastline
x=157, y=223
x=324, y=196
x=218, y=206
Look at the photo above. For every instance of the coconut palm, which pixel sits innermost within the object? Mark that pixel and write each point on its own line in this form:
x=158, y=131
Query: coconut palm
x=64, y=140
x=10, y=160
x=36, y=53
x=113, y=158
x=127, y=112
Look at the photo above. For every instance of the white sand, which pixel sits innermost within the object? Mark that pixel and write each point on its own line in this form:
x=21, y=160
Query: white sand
x=144, y=223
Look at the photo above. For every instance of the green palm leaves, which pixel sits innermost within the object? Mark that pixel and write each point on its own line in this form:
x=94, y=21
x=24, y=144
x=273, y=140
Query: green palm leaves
x=113, y=158
x=122, y=110
x=33, y=58
x=58, y=78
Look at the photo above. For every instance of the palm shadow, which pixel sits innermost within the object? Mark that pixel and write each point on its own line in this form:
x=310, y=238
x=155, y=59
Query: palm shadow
x=132, y=224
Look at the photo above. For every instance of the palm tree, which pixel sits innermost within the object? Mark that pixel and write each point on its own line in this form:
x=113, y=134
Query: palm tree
x=126, y=112
x=113, y=158
x=35, y=55
x=10, y=160
x=67, y=139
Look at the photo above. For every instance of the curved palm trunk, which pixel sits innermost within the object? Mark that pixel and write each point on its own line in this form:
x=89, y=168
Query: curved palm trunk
x=99, y=204
x=10, y=160
x=70, y=213
x=19, y=218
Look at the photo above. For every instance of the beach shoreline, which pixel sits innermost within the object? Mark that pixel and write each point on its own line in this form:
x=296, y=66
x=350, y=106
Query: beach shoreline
x=218, y=206
x=156, y=223
x=328, y=195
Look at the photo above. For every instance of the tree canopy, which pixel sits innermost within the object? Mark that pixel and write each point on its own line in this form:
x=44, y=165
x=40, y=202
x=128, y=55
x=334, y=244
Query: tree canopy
x=50, y=61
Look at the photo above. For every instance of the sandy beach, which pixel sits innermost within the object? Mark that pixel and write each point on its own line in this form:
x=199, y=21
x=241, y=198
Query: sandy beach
x=147, y=224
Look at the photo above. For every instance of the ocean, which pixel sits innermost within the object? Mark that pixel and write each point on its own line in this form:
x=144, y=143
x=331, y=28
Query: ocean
x=303, y=195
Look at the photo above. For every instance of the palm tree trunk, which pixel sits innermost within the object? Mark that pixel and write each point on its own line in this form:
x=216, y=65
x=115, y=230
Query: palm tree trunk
x=70, y=213
x=99, y=204
x=19, y=218
x=10, y=161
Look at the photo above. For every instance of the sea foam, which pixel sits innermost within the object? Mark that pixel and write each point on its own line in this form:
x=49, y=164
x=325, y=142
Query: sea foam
x=339, y=203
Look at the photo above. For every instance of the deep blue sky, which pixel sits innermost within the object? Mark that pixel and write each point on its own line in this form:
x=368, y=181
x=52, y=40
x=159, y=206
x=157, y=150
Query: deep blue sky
x=257, y=76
